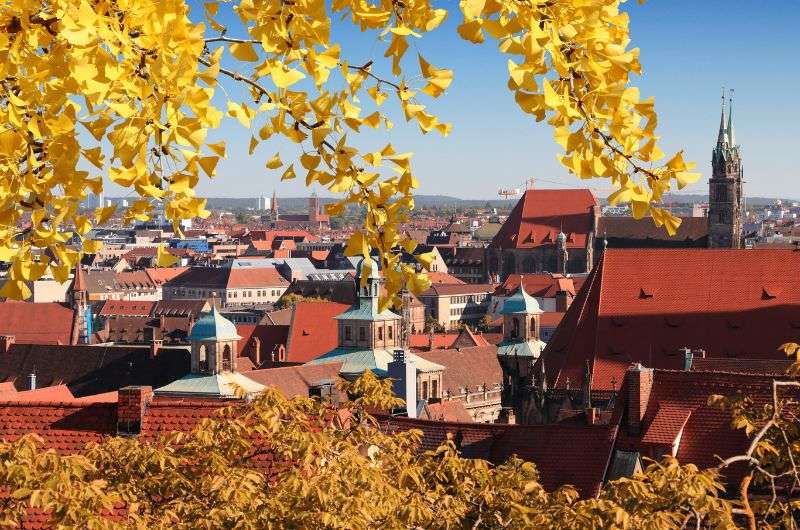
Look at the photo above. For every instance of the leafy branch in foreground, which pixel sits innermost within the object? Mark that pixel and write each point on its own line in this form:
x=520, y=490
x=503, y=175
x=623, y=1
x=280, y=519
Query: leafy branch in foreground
x=129, y=91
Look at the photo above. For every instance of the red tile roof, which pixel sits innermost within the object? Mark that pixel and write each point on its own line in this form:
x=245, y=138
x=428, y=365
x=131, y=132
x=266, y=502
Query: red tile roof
x=161, y=275
x=645, y=305
x=679, y=401
x=541, y=214
x=541, y=285
x=443, y=277
x=745, y=366
x=444, y=289
x=126, y=308
x=313, y=330
x=451, y=410
x=255, y=277
x=467, y=368
x=296, y=380
x=271, y=338
x=36, y=323
x=563, y=454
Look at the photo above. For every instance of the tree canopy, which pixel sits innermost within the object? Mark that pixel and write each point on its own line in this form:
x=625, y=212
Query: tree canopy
x=128, y=91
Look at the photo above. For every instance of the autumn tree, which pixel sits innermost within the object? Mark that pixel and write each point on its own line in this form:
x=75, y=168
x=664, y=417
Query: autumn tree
x=128, y=91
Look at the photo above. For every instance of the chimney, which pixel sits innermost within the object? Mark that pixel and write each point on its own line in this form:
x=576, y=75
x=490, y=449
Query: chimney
x=688, y=357
x=131, y=407
x=256, y=342
x=403, y=372
x=32, y=381
x=6, y=341
x=155, y=347
x=639, y=381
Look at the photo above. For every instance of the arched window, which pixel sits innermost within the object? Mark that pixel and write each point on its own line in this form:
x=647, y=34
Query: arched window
x=202, y=356
x=424, y=390
x=533, y=325
x=514, y=328
x=227, y=362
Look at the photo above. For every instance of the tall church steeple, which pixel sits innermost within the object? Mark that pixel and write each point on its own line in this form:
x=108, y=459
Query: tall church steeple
x=725, y=186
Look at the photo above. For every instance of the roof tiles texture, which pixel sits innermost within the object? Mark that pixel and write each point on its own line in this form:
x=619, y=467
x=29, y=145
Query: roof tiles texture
x=725, y=302
x=36, y=323
x=541, y=214
x=313, y=330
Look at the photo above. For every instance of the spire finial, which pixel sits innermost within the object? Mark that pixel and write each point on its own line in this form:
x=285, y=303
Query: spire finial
x=731, y=135
x=722, y=137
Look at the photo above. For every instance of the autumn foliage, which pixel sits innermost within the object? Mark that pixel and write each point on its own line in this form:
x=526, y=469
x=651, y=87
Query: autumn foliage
x=129, y=90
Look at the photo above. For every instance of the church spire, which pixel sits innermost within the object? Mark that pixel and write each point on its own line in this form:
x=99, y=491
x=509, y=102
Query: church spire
x=731, y=135
x=722, y=137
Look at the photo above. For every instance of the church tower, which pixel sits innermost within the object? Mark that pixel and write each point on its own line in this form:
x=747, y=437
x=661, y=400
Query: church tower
x=725, y=187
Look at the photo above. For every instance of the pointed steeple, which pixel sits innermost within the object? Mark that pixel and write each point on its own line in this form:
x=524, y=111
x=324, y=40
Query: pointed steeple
x=79, y=279
x=722, y=137
x=731, y=135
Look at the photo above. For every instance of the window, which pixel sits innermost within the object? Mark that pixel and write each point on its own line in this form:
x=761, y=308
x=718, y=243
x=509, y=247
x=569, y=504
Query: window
x=514, y=328
x=203, y=358
x=424, y=390
x=434, y=388
x=227, y=362
x=362, y=333
x=389, y=330
x=348, y=335
x=380, y=333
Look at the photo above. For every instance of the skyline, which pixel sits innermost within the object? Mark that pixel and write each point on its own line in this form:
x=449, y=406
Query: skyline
x=730, y=44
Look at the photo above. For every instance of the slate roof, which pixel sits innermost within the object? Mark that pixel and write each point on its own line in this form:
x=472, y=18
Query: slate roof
x=88, y=370
x=691, y=229
x=730, y=303
x=541, y=214
x=36, y=323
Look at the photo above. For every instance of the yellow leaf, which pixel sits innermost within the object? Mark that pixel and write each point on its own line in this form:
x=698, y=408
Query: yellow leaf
x=218, y=148
x=209, y=164
x=284, y=77
x=274, y=162
x=289, y=174
x=164, y=258
x=102, y=215
x=244, y=51
x=15, y=290
x=309, y=161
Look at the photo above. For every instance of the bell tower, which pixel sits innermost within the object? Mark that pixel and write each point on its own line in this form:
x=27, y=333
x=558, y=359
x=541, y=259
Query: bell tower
x=725, y=186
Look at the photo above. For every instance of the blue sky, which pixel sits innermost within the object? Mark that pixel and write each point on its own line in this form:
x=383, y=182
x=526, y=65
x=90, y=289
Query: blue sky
x=690, y=49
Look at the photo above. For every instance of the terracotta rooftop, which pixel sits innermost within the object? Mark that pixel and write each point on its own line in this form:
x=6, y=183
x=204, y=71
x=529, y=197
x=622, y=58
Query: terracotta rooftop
x=126, y=308
x=456, y=289
x=36, y=323
x=468, y=368
x=542, y=285
x=691, y=229
x=730, y=303
x=541, y=214
x=313, y=330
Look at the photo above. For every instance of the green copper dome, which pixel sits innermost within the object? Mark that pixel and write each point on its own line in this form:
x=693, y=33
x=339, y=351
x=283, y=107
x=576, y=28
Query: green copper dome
x=374, y=273
x=213, y=327
x=520, y=302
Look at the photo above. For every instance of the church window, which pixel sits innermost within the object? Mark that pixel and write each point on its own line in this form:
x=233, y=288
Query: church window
x=514, y=328
x=227, y=362
x=434, y=389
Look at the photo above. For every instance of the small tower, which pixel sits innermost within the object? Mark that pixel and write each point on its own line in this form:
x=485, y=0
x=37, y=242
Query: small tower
x=79, y=299
x=273, y=212
x=215, y=344
x=562, y=257
x=725, y=186
x=313, y=209
x=519, y=349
